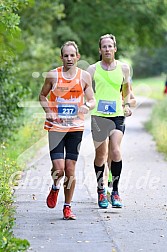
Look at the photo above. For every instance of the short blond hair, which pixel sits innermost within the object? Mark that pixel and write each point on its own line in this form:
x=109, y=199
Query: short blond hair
x=111, y=36
x=70, y=43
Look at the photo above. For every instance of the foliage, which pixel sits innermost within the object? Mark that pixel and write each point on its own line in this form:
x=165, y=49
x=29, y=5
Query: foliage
x=158, y=124
x=18, y=62
x=41, y=52
x=134, y=23
x=10, y=32
x=8, y=242
x=148, y=62
x=152, y=87
x=33, y=134
x=47, y=25
x=11, y=92
x=10, y=152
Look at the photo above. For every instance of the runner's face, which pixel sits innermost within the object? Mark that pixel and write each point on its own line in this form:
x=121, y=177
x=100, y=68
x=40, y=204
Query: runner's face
x=69, y=57
x=107, y=49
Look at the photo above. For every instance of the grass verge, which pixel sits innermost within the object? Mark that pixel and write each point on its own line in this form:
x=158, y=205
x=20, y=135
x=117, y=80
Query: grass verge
x=157, y=125
x=24, y=143
x=153, y=87
x=150, y=87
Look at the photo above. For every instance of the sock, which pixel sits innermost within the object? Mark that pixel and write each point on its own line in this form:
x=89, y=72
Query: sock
x=55, y=187
x=66, y=204
x=116, y=168
x=110, y=179
x=110, y=184
x=99, y=176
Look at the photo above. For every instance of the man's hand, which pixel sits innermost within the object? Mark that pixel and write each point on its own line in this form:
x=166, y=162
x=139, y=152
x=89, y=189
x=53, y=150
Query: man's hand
x=84, y=109
x=51, y=116
x=127, y=111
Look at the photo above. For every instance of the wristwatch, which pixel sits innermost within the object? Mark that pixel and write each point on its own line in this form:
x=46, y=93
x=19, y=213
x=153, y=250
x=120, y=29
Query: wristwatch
x=127, y=104
x=87, y=105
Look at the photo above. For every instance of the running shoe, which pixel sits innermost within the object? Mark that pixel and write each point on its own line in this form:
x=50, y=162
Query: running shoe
x=52, y=198
x=102, y=199
x=68, y=214
x=116, y=200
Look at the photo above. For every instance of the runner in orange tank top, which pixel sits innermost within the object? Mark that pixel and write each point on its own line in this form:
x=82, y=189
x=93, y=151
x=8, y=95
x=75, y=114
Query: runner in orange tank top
x=65, y=99
x=67, y=87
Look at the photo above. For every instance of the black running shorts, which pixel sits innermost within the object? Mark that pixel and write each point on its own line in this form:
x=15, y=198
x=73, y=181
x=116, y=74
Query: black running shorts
x=64, y=145
x=102, y=126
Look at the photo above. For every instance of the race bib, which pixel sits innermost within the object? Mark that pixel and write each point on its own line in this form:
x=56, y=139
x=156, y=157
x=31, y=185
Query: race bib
x=106, y=107
x=67, y=110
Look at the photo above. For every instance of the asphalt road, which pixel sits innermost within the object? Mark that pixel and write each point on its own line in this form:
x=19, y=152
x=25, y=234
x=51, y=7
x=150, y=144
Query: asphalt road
x=141, y=225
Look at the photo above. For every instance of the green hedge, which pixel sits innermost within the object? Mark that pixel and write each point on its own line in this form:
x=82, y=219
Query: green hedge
x=11, y=93
x=27, y=139
x=8, y=242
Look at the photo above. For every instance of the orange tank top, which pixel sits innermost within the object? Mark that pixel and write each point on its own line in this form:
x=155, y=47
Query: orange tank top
x=66, y=97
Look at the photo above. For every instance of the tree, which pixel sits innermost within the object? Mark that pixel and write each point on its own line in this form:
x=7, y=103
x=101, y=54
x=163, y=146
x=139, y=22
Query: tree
x=148, y=62
x=41, y=51
x=134, y=23
x=11, y=90
x=10, y=32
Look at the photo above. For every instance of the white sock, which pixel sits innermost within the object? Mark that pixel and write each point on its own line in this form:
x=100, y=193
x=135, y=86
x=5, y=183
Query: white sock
x=66, y=204
x=55, y=187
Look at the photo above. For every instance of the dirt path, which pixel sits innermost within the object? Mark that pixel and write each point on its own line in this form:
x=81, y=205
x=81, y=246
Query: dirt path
x=140, y=226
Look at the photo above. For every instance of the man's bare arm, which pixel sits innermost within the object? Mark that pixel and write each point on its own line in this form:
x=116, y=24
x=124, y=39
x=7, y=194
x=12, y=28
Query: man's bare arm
x=88, y=91
x=48, y=84
x=126, y=83
x=91, y=69
x=89, y=94
x=126, y=89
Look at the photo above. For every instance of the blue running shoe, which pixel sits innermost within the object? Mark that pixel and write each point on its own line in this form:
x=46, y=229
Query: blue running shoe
x=116, y=200
x=102, y=199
